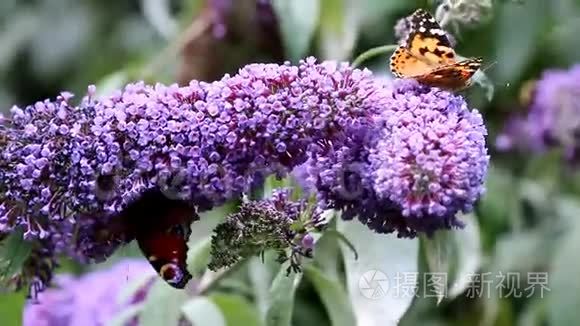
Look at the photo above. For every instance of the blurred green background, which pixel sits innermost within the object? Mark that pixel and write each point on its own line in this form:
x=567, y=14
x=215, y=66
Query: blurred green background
x=527, y=222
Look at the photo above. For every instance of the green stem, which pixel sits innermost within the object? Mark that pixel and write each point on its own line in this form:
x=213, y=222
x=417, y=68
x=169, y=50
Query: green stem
x=373, y=53
x=344, y=240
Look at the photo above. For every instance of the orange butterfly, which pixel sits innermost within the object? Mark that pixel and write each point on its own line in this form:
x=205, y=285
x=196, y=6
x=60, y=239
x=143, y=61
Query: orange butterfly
x=427, y=56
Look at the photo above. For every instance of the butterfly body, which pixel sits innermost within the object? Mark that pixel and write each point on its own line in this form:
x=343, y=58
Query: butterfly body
x=427, y=56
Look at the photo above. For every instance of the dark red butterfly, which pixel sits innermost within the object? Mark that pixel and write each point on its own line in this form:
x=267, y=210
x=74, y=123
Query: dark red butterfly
x=161, y=227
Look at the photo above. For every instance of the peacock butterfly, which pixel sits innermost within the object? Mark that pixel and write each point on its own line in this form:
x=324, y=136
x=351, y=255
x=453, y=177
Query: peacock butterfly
x=161, y=227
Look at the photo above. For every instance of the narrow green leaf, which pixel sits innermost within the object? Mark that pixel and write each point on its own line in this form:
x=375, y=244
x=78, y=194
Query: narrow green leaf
x=198, y=256
x=237, y=310
x=564, y=281
x=333, y=296
x=339, y=26
x=327, y=256
x=203, y=311
x=469, y=253
x=281, y=298
x=261, y=277
x=518, y=33
x=455, y=254
x=496, y=210
x=371, y=279
x=162, y=305
x=441, y=256
x=298, y=21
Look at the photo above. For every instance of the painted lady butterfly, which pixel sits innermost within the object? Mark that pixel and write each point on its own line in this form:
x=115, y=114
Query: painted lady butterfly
x=427, y=56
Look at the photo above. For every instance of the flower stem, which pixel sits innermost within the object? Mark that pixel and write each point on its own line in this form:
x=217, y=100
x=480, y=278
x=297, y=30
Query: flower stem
x=373, y=53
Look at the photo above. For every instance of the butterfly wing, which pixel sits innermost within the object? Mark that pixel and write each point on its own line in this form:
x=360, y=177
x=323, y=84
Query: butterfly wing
x=161, y=227
x=404, y=64
x=454, y=76
x=427, y=41
x=427, y=56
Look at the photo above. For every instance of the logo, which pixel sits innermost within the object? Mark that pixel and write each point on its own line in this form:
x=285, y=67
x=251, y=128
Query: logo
x=373, y=284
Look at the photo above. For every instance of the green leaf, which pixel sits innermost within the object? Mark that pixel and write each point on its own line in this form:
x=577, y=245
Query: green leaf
x=261, y=277
x=382, y=258
x=344, y=240
x=339, y=25
x=534, y=313
x=237, y=310
x=440, y=254
x=11, y=308
x=482, y=80
x=14, y=251
x=281, y=298
x=162, y=305
x=190, y=11
x=564, y=42
x=202, y=311
x=198, y=256
x=469, y=255
x=125, y=316
x=523, y=251
x=497, y=211
x=564, y=298
x=327, y=256
x=375, y=11
x=298, y=20
x=518, y=34
x=455, y=253
x=111, y=83
x=333, y=296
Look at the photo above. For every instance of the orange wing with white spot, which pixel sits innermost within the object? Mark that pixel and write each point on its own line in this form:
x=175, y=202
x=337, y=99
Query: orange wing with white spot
x=427, y=56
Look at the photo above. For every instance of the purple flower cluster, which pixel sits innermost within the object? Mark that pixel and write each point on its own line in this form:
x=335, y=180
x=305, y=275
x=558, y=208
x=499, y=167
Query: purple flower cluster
x=276, y=223
x=424, y=162
x=92, y=299
x=66, y=167
x=401, y=157
x=553, y=119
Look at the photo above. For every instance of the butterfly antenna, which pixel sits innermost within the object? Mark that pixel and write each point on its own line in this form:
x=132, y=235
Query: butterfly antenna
x=489, y=66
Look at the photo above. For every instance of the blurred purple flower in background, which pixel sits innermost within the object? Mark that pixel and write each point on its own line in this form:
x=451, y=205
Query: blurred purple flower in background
x=92, y=299
x=221, y=11
x=553, y=119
